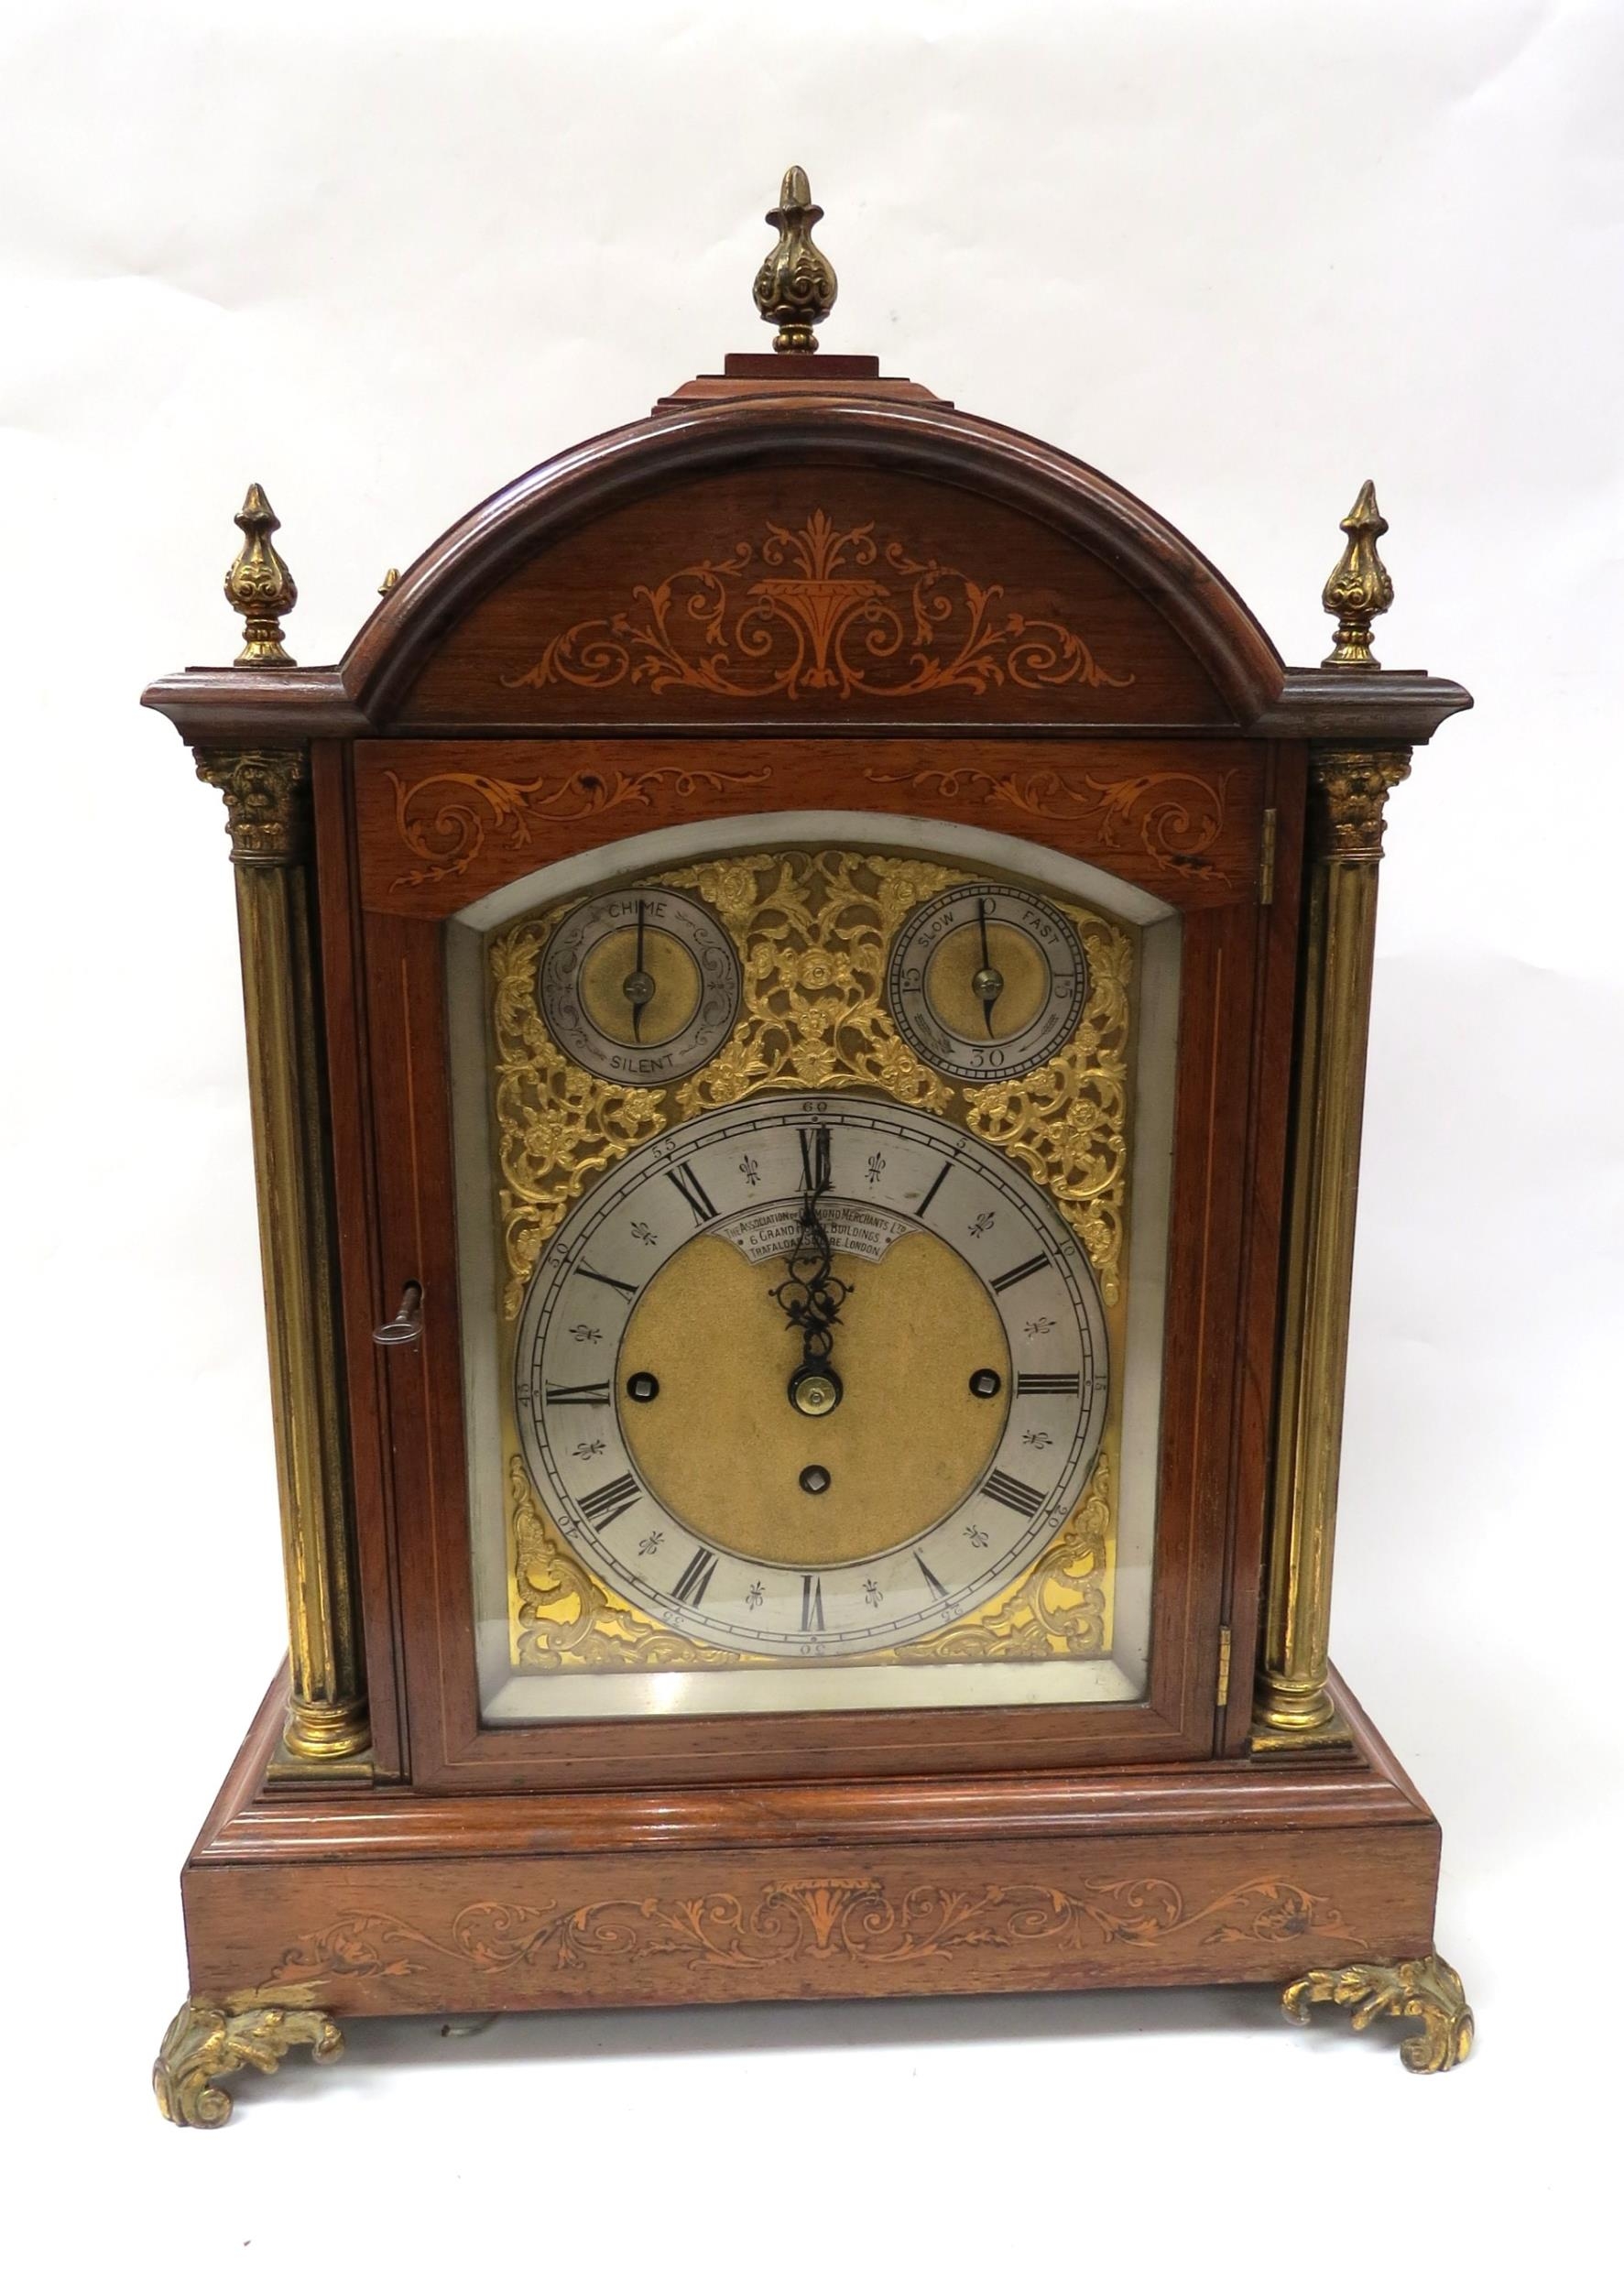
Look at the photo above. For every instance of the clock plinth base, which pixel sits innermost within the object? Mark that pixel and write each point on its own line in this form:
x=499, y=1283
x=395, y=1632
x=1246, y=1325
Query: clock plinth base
x=1426, y=1989
x=342, y=1900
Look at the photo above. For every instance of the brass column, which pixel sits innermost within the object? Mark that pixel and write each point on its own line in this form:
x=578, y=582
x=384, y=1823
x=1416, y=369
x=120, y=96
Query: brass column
x=267, y=792
x=1347, y=796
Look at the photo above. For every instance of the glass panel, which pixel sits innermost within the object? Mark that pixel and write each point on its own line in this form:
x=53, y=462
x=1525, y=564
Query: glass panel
x=812, y=1202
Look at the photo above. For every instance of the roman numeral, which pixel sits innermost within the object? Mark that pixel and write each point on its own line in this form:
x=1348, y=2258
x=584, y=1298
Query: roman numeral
x=576, y=1395
x=936, y=1185
x=695, y=1577
x=812, y=1602
x=814, y=1159
x=1018, y=1272
x=606, y=1503
x=607, y=1280
x=694, y=1193
x=1015, y=1494
x=936, y=1589
x=1034, y=1387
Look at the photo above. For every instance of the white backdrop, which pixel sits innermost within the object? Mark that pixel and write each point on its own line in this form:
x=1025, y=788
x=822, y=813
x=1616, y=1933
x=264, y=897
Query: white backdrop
x=383, y=254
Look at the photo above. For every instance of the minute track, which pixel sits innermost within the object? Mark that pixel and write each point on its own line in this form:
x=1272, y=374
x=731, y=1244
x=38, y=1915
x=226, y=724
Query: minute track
x=745, y=1168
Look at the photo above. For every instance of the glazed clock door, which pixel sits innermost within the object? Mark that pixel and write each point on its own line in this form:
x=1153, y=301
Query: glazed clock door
x=828, y=1228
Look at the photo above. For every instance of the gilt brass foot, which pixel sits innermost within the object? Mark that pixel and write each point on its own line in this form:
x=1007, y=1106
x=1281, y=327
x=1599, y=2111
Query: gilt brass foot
x=1424, y=1988
x=207, y=2039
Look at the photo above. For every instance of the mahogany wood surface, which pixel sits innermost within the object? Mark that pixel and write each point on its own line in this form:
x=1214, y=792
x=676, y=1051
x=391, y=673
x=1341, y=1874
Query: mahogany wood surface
x=1260, y=1283
x=442, y=822
x=360, y=1279
x=819, y=592
x=389, y=1901
x=876, y=454
x=1378, y=707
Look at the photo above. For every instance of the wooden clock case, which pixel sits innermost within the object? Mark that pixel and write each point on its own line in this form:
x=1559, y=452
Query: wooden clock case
x=563, y=669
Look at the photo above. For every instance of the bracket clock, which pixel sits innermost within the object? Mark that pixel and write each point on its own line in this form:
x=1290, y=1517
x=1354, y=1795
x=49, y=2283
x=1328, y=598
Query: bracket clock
x=806, y=983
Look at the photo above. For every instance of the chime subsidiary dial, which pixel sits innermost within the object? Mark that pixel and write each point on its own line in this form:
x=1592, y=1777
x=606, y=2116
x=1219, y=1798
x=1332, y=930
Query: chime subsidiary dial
x=640, y=986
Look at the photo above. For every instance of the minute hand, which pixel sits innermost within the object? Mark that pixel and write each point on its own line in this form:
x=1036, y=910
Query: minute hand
x=811, y=1295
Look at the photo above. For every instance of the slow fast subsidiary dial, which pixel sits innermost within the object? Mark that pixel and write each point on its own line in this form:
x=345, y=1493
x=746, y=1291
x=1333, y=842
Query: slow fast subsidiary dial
x=987, y=982
x=811, y=1377
x=640, y=986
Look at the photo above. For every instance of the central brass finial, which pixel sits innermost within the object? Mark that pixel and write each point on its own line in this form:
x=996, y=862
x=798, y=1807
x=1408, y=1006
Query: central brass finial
x=1360, y=586
x=796, y=285
x=259, y=584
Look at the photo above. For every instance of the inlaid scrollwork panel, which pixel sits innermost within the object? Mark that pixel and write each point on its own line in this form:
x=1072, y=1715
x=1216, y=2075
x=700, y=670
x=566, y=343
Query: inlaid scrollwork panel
x=855, y=1919
x=819, y=608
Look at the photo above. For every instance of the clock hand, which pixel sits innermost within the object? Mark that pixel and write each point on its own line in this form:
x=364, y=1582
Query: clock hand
x=638, y=987
x=987, y=983
x=811, y=1295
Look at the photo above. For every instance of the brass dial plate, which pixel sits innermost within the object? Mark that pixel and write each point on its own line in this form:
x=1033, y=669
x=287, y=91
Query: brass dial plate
x=987, y=981
x=813, y=931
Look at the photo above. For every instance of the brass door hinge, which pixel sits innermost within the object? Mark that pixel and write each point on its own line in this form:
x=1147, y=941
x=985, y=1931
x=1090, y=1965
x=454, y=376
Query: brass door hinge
x=1266, y=860
x=1223, y=1666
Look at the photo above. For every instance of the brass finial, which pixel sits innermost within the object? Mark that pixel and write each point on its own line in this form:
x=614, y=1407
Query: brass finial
x=796, y=285
x=1360, y=586
x=259, y=584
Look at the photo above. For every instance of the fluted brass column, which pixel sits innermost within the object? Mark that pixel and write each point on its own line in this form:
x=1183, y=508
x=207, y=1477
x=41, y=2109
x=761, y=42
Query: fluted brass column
x=267, y=792
x=1347, y=796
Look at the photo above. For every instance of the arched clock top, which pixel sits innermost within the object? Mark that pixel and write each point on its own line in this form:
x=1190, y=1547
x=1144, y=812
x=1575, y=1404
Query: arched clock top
x=760, y=551
x=798, y=543
x=796, y=556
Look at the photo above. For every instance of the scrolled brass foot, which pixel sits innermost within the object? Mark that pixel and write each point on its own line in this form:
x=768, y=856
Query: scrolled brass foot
x=206, y=2040
x=1425, y=1988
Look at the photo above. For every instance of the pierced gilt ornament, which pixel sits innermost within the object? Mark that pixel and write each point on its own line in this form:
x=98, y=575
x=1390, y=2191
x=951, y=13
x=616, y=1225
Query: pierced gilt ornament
x=796, y=285
x=259, y=584
x=1360, y=586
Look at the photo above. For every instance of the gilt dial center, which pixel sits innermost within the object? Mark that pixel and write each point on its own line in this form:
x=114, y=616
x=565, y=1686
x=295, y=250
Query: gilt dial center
x=960, y=982
x=722, y=1448
x=665, y=986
